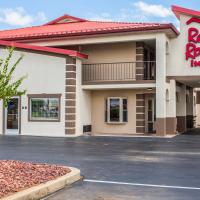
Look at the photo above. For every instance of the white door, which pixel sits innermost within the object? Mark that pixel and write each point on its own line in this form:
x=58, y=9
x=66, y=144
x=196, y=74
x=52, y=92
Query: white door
x=12, y=117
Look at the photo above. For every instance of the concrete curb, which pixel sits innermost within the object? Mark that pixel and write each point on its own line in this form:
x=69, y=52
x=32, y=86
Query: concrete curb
x=42, y=190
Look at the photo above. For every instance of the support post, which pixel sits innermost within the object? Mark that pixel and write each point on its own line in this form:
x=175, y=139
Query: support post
x=161, y=85
x=181, y=110
x=171, y=121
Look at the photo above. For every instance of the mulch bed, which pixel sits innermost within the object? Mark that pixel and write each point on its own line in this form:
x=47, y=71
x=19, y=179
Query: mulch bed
x=16, y=175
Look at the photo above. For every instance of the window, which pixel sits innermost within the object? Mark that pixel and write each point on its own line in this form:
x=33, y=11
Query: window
x=116, y=110
x=44, y=107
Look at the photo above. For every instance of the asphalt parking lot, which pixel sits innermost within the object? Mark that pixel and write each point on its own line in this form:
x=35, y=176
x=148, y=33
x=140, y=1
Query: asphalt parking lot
x=117, y=168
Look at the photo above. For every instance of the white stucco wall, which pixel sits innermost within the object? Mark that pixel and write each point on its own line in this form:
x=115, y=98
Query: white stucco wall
x=181, y=103
x=45, y=74
x=109, y=53
x=177, y=64
x=99, y=126
x=171, y=98
x=161, y=85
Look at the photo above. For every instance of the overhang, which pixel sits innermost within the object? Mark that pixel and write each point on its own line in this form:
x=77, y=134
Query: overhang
x=59, y=51
x=185, y=11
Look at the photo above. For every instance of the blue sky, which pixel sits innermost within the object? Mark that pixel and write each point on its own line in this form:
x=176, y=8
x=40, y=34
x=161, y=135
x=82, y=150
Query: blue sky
x=21, y=13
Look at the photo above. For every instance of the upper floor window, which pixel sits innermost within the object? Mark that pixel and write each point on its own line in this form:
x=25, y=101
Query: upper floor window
x=116, y=110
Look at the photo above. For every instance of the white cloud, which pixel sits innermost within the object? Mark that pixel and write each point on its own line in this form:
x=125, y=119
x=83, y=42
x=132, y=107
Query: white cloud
x=155, y=10
x=129, y=14
x=139, y=11
x=19, y=17
x=122, y=16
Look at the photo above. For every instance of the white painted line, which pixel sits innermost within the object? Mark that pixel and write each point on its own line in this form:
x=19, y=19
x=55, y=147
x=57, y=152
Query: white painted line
x=173, y=153
x=135, y=136
x=143, y=185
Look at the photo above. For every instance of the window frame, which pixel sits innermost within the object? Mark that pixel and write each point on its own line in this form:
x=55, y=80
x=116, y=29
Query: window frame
x=121, y=110
x=44, y=96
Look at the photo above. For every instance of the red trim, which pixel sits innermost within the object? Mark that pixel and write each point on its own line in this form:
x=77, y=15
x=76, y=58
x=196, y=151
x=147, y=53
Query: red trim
x=65, y=17
x=43, y=49
x=180, y=10
x=93, y=32
x=193, y=19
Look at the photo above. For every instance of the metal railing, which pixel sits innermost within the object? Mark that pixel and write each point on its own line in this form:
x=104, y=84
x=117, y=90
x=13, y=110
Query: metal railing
x=119, y=71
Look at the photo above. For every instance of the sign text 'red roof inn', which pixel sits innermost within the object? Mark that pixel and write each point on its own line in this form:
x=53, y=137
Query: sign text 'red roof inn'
x=193, y=45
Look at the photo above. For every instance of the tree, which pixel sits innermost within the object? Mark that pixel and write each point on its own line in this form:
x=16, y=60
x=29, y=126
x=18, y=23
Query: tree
x=8, y=87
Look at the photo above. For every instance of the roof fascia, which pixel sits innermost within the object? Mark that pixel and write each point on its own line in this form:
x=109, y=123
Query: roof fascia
x=185, y=11
x=71, y=53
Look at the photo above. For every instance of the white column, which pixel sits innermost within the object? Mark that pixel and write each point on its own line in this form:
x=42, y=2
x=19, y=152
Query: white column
x=181, y=109
x=172, y=99
x=171, y=121
x=83, y=102
x=161, y=84
x=79, y=125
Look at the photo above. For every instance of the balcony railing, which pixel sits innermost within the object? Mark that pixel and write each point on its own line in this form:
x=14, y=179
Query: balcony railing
x=115, y=72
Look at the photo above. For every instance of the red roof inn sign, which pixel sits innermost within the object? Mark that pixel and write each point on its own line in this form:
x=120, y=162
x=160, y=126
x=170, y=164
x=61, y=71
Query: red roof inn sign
x=193, y=45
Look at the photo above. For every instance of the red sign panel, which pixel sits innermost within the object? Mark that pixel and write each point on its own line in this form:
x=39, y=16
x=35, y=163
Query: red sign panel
x=193, y=45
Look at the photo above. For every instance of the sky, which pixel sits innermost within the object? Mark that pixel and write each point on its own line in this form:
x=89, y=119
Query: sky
x=23, y=13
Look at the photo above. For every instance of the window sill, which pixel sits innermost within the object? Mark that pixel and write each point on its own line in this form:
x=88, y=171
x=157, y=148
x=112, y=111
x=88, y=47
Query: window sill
x=116, y=123
x=35, y=120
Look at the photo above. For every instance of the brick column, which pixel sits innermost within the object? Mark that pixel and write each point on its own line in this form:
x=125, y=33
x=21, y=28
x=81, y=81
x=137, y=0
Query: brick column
x=139, y=60
x=140, y=113
x=70, y=96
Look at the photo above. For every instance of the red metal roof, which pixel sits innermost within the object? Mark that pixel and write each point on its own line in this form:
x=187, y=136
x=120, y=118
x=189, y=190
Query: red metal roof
x=180, y=10
x=80, y=28
x=43, y=49
x=65, y=17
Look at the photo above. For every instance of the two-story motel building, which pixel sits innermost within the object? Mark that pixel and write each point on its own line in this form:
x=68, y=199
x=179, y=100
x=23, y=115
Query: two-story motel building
x=105, y=78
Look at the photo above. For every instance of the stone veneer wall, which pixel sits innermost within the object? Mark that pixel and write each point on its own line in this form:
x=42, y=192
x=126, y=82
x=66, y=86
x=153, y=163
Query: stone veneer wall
x=70, y=96
x=139, y=60
x=140, y=113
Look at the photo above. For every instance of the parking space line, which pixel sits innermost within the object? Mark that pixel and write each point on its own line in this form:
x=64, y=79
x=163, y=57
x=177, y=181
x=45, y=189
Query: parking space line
x=142, y=185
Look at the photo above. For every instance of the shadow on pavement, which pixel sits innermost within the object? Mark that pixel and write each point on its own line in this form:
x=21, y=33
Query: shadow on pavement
x=194, y=131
